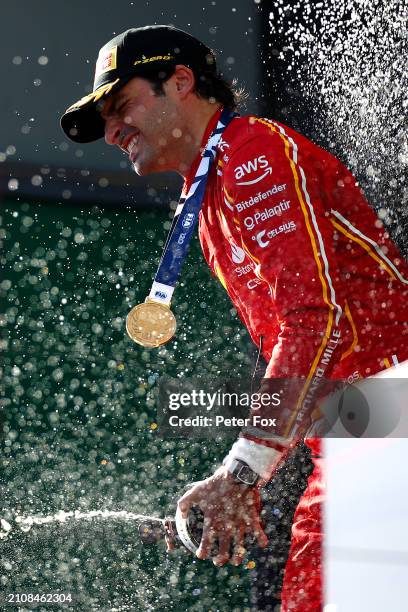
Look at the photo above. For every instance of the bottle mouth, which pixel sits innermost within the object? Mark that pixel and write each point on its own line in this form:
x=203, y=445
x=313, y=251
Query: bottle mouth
x=152, y=530
x=190, y=530
x=176, y=530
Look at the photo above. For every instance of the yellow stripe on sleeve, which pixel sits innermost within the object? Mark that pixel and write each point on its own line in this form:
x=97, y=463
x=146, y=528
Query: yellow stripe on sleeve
x=366, y=247
x=312, y=238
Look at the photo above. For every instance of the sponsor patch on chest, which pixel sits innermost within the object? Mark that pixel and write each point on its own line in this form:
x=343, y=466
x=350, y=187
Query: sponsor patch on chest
x=255, y=170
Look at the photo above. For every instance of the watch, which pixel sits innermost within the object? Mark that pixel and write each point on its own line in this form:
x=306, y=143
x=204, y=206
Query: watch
x=243, y=473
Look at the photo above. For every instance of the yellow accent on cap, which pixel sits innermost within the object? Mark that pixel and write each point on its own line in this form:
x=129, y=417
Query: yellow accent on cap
x=94, y=96
x=155, y=58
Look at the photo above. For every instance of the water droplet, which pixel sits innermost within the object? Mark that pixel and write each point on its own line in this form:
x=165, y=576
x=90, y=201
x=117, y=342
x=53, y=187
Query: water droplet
x=12, y=184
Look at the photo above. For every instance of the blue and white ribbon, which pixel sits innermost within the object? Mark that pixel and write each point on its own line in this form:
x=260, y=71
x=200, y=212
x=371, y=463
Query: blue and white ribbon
x=185, y=220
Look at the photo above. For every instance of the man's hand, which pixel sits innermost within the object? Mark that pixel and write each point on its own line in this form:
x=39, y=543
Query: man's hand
x=231, y=510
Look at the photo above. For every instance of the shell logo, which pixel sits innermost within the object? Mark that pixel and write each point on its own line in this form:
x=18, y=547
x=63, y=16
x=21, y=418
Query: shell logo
x=237, y=254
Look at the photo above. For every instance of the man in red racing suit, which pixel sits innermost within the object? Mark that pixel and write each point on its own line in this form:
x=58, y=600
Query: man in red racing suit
x=312, y=272
x=307, y=264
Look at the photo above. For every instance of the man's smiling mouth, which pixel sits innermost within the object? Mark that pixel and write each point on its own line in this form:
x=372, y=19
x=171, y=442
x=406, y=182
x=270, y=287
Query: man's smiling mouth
x=132, y=144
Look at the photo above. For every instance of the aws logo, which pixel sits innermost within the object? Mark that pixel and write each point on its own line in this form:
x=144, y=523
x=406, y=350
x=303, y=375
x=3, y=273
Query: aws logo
x=250, y=167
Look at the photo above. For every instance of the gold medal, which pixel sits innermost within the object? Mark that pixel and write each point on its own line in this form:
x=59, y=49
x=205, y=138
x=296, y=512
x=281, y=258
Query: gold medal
x=151, y=324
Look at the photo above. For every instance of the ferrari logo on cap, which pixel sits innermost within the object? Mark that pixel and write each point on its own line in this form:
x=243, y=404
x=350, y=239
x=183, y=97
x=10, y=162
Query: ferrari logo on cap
x=106, y=61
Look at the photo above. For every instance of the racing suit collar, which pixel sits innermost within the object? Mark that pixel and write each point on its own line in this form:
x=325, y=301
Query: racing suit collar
x=193, y=168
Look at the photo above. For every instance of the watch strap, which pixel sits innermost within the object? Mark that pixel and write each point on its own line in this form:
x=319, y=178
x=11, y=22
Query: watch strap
x=261, y=459
x=243, y=473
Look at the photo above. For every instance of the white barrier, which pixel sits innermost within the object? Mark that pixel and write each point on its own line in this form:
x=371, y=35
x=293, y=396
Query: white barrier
x=366, y=510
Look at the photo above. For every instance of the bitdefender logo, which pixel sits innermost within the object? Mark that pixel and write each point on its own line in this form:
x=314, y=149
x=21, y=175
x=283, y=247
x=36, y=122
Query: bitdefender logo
x=251, y=166
x=255, y=199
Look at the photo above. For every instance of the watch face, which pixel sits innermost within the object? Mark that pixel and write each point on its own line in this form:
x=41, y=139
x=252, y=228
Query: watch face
x=246, y=475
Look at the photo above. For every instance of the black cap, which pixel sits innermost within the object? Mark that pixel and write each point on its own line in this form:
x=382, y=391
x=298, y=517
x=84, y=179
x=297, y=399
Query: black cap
x=136, y=52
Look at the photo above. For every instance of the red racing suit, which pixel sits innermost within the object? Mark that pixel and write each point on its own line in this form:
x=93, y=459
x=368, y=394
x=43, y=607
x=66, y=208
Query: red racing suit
x=312, y=271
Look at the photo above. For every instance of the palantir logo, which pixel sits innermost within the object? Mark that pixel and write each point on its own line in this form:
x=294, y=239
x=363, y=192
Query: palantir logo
x=251, y=166
x=237, y=254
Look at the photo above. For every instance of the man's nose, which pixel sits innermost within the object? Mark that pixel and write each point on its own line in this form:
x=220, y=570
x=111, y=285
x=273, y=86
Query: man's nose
x=112, y=132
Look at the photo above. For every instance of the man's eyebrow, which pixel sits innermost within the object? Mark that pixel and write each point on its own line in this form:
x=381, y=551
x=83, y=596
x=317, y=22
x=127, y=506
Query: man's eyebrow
x=119, y=100
x=114, y=105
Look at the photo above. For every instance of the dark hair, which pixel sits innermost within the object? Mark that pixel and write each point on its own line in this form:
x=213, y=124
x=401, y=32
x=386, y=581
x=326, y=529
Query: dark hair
x=208, y=85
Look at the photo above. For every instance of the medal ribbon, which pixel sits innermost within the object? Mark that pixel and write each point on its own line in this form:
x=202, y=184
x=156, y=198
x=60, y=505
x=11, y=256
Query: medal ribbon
x=185, y=220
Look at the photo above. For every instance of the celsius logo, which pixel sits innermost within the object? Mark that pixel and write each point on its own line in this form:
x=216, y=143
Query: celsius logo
x=188, y=220
x=259, y=237
x=237, y=254
x=249, y=167
x=286, y=228
x=160, y=294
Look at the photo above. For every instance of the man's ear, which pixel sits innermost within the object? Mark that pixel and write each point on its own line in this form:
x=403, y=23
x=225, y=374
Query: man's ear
x=183, y=80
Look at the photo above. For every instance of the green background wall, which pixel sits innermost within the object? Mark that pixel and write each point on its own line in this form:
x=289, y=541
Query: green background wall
x=80, y=398
x=79, y=401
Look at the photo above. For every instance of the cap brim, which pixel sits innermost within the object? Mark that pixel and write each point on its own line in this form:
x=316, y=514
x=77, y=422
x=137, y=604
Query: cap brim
x=82, y=122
